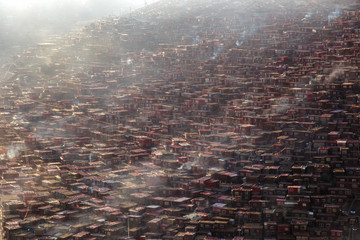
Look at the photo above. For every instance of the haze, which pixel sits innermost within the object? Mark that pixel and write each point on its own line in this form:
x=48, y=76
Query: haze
x=23, y=22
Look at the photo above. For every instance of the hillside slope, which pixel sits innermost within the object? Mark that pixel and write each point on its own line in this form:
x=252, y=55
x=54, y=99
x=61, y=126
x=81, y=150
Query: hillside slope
x=187, y=120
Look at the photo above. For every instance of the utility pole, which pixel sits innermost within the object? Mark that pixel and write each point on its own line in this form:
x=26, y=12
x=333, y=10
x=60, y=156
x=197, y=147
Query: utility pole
x=128, y=227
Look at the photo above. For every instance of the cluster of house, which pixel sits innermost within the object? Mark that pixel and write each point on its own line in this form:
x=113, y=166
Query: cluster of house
x=230, y=134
